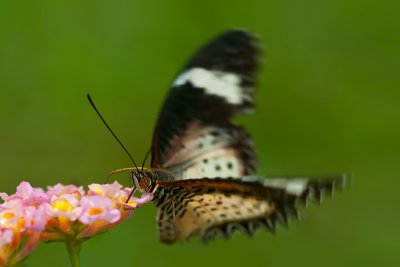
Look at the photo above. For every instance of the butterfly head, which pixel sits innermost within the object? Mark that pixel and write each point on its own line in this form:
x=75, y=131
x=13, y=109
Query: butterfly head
x=144, y=180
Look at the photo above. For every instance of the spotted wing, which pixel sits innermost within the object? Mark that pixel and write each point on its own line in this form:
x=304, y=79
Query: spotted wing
x=194, y=136
x=211, y=207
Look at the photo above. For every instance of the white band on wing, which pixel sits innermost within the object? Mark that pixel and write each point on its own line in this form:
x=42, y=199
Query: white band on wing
x=222, y=84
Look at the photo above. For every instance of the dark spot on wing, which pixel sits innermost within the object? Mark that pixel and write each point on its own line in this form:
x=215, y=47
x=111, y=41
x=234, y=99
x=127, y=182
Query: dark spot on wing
x=215, y=133
x=229, y=165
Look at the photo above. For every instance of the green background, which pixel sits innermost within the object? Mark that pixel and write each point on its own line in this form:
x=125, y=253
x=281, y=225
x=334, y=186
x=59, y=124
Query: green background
x=328, y=101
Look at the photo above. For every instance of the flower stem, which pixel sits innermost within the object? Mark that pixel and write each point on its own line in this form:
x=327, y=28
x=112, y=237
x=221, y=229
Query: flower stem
x=74, y=248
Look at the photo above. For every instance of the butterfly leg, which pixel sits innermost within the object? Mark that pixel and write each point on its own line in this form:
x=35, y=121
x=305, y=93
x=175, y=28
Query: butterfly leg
x=166, y=224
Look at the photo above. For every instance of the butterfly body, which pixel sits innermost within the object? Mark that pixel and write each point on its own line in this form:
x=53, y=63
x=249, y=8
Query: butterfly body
x=201, y=161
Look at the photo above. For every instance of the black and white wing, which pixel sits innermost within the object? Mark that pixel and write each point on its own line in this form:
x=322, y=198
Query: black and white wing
x=194, y=136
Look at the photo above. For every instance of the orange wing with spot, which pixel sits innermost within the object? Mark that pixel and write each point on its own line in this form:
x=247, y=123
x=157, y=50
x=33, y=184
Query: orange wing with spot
x=211, y=207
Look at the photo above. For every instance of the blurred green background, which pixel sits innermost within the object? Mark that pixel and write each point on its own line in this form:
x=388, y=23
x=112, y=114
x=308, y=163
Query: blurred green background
x=328, y=101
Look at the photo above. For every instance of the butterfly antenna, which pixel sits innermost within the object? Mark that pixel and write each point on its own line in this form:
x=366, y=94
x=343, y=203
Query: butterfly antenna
x=145, y=158
x=111, y=131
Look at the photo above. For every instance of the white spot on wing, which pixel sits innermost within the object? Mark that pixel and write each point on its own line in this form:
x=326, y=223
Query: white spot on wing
x=294, y=186
x=223, y=84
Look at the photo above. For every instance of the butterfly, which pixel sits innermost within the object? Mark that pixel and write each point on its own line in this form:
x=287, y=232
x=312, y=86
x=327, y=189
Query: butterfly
x=201, y=162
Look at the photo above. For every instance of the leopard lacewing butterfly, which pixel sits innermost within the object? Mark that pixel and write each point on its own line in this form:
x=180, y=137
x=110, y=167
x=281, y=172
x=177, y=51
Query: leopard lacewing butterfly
x=201, y=161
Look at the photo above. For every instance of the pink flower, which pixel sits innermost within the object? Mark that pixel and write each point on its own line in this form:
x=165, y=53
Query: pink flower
x=19, y=230
x=60, y=189
x=66, y=206
x=98, y=208
x=99, y=214
x=63, y=210
x=62, y=213
x=145, y=198
x=27, y=194
x=112, y=191
x=16, y=238
x=120, y=197
x=11, y=214
x=36, y=217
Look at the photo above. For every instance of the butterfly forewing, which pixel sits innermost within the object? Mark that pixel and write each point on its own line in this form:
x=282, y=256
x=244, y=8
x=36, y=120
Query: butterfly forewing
x=194, y=136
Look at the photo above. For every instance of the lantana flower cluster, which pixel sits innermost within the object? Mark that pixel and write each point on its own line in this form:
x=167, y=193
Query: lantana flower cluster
x=60, y=213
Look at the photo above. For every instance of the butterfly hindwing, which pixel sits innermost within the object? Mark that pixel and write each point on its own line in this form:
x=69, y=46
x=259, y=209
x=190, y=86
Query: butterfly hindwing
x=209, y=211
x=210, y=207
x=194, y=124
